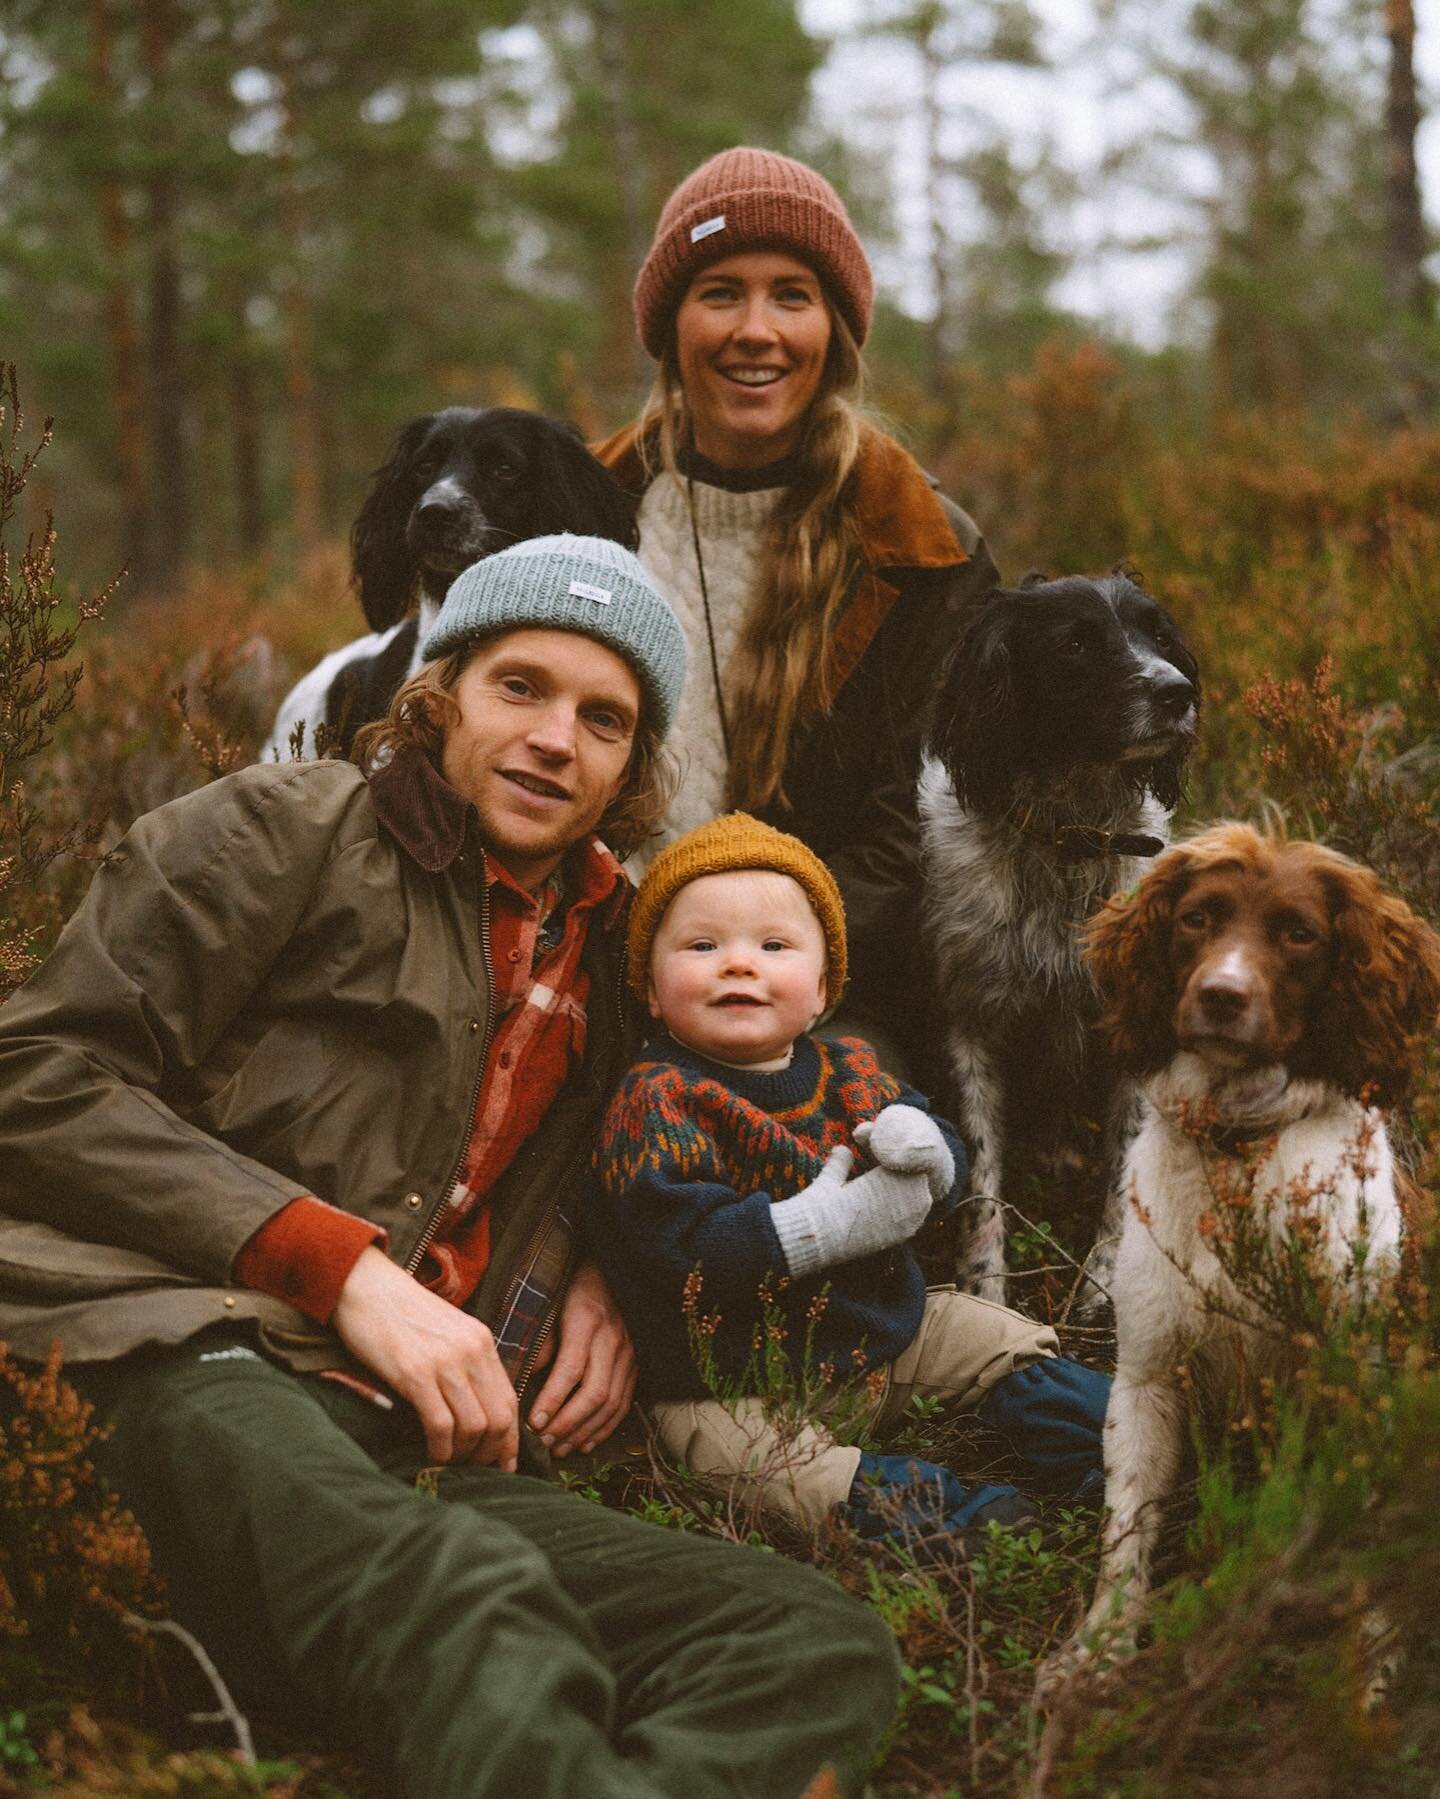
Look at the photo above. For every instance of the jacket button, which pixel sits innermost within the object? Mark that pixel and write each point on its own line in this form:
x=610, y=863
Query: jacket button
x=230, y=1300
x=474, y=1026
x=414, y=1201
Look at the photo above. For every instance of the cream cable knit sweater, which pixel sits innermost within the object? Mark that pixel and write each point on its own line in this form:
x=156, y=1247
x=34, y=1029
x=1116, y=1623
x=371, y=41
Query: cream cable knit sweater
x=732, y=539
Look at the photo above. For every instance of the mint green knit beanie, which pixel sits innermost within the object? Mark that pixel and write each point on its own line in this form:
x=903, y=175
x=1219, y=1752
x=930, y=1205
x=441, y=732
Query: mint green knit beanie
x=567, y=583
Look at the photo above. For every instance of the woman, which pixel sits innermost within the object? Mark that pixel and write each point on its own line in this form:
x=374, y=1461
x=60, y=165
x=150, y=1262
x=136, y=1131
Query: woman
x=818, y=575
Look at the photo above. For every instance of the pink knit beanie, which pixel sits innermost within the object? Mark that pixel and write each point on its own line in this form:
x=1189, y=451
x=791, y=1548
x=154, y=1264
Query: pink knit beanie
x=748, y=199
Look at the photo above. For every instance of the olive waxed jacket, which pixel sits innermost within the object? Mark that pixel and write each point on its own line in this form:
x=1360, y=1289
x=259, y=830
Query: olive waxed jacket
x=276, y=986
x=851, y=772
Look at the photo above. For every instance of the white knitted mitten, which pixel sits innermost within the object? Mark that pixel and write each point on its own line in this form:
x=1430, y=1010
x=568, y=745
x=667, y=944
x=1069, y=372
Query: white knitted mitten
x=908, y=1141
x=838, y=1220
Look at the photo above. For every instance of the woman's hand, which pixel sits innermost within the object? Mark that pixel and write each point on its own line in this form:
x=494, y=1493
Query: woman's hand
x=438, y=1358
x=592, y=1379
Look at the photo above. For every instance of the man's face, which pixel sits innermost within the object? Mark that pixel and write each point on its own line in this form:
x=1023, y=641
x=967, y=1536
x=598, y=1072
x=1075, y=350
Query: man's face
x=542, y=744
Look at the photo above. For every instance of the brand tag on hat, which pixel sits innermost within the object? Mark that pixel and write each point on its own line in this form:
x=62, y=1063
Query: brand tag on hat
x=602, y=596
x=708, y=228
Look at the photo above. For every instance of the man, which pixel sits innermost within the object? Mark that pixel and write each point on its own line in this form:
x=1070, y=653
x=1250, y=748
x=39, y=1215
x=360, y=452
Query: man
x=289, y=1122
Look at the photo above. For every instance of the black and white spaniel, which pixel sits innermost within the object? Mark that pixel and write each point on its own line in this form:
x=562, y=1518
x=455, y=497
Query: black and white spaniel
x=1054, y=760
x=457, y=485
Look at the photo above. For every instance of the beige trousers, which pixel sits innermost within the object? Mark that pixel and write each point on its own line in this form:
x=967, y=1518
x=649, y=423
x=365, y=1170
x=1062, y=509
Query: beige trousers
x=963, y=1347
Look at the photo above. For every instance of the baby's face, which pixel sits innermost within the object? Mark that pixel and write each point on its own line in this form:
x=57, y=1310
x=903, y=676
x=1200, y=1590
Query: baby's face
x=737, y=970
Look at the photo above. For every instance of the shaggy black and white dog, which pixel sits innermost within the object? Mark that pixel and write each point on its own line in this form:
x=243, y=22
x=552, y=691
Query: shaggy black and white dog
x=457, y=485
x=1054, y=762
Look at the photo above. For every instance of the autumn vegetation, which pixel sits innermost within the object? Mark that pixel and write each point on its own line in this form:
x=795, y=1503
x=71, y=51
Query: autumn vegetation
x=241, y=244
x=1299, y=563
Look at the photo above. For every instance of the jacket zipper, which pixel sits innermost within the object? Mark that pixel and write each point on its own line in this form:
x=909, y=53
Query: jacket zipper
x=542, y=1336
x=427, y=1236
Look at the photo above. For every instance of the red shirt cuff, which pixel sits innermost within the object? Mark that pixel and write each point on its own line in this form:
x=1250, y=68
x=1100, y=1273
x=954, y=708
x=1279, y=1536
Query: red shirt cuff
x=304, y=1255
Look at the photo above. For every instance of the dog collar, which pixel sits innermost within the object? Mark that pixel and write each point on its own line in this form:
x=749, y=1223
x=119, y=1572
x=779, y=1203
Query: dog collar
x=1239, y=1142
x=1090, y=843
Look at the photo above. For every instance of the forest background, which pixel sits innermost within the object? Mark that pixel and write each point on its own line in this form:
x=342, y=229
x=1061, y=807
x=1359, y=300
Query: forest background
x=242, y=241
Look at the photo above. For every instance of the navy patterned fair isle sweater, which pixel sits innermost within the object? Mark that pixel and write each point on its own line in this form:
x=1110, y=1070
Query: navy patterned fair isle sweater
x=692, y=1155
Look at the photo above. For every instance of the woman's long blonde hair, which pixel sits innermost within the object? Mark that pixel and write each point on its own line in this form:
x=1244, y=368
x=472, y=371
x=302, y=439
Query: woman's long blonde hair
x=785, y=666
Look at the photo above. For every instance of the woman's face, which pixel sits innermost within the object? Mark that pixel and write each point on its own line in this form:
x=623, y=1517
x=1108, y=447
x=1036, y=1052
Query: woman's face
x=751, y=337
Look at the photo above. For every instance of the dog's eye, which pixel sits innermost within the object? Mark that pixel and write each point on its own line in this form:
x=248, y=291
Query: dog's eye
x=504, y=471
x=1193, y=920
x=1301, y=936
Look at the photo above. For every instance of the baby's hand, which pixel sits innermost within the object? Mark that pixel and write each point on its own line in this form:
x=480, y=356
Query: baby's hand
x=908, y=1141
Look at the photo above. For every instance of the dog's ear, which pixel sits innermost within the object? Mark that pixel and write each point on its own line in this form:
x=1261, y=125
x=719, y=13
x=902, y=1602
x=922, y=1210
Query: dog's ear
x=973, y=729
x=380, y=561
x=1127, y=950
x=1383, y=996
x=575, y=492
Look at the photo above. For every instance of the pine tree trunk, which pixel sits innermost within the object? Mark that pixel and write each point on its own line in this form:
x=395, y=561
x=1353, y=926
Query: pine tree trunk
x=936, y=249
x=1404, y=221
x=623, y=361
x=244, y=415
x=168, y=535
x=1412, y=295
x=121, y=333
x=300, y=403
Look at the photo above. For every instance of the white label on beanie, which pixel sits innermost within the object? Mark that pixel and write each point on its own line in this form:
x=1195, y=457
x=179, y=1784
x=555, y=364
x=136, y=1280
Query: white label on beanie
x=708, y=229
x=602, y=596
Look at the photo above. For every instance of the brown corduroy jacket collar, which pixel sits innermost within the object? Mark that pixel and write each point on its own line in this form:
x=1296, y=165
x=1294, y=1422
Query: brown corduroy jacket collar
x=898, y=514
x=899, y=519
x=428, y=818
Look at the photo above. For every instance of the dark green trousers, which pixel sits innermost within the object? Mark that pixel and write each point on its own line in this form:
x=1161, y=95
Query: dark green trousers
x=499, y=1637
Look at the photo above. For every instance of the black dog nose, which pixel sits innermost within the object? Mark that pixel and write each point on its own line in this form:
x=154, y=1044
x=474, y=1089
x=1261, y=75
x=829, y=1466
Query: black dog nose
x=439, y=509
x=1174, y=695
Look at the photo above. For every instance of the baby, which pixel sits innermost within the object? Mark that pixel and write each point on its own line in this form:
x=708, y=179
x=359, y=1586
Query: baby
x=730, y=1148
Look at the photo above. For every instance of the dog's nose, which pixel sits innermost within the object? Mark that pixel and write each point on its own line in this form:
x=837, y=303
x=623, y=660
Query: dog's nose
x=438, y=509
x=1174, y=695
x=1223, y=997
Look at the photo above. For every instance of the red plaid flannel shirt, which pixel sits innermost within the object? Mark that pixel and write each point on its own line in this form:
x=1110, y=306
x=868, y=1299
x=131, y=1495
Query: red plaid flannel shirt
x=306, y=1251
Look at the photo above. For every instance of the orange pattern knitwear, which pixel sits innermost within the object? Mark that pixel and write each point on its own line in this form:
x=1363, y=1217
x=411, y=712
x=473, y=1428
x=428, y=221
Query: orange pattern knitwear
x=692, y=1157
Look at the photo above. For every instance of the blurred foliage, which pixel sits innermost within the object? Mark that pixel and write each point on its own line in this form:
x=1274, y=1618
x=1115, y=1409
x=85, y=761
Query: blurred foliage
x=242, y=242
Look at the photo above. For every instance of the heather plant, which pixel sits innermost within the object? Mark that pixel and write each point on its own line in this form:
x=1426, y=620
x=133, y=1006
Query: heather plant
x=1300, y=1652
x=73, y=1563
x=794, y=1394
x=1305, y=1550
x=36, y=691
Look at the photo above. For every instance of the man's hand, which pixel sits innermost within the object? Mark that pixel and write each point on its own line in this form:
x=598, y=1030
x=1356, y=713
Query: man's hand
x=592, y=1379
x=437, y=1357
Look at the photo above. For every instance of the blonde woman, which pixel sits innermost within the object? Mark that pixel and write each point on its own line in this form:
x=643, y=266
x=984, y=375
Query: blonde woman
x=819, y=576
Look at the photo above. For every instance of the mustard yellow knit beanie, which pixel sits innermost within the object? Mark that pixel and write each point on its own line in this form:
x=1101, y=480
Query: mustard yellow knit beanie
x=735, y=841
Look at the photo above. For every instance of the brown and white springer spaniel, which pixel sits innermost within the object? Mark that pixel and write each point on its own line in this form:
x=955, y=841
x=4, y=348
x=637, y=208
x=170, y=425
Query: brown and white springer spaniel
x=1270, y=998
